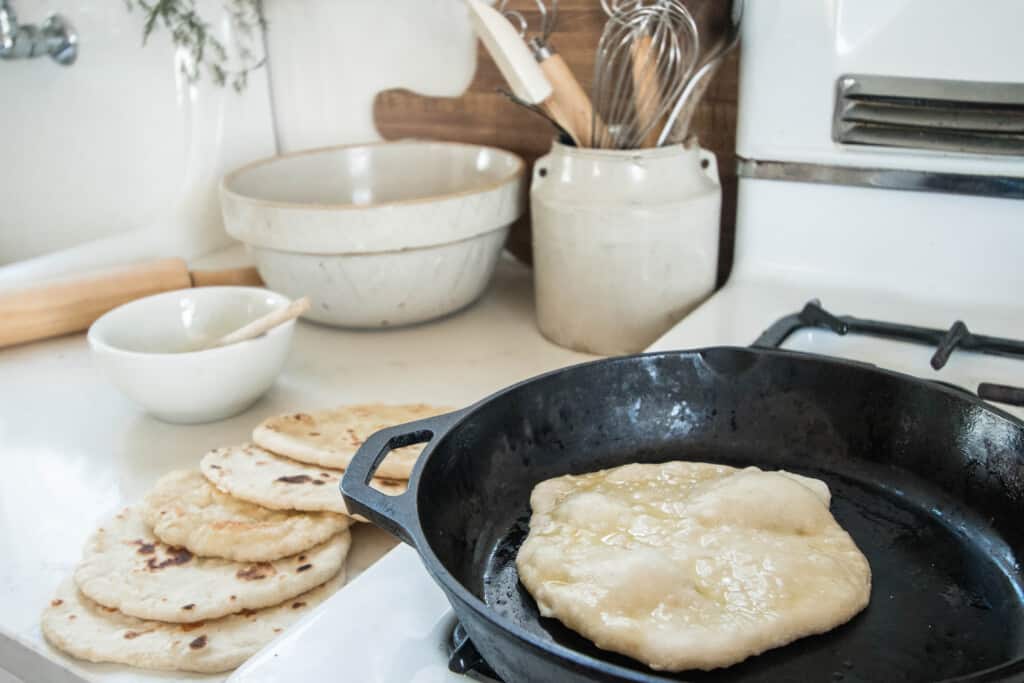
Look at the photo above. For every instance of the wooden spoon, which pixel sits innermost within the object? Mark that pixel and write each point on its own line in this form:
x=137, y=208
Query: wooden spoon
x=261, y=325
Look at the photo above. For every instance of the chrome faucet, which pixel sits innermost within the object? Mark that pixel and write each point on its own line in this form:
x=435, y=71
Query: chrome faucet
x=56, y=37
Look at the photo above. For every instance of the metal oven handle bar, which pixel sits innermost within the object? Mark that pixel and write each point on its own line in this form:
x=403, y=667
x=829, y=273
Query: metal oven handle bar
x=1006, y=187
x=394, y=514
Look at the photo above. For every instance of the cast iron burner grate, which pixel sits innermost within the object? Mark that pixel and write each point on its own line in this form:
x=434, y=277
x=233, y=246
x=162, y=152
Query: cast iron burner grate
x=464, y=657
x=945, y=342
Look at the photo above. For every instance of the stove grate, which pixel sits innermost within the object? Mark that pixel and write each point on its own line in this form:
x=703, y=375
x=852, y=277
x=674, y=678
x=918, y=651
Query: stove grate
x=958, y=336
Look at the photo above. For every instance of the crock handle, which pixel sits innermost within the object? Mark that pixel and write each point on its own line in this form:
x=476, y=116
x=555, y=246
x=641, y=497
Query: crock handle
x=394, y=514
x=709, y=164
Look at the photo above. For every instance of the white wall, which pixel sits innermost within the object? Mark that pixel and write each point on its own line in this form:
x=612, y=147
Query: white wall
x=119, y=142
x=117, y=158
x=328, y=58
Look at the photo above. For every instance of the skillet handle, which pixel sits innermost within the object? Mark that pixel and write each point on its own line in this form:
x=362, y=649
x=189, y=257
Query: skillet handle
x=394, y=514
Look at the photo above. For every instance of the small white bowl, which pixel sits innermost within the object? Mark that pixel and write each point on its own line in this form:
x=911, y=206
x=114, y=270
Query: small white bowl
x=377, y=235
x=144, y=346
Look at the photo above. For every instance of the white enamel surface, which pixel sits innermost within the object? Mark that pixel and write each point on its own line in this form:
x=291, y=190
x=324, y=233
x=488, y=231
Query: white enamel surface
x=794, y=50
x=329, y=59
x=624, y=243
x=147, y=348
x=75, y=450
x=385, y=289
x=119, y=143
x=926, y=246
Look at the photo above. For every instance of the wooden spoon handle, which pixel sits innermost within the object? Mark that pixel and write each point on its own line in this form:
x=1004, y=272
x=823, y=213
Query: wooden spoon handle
x=568, y=104
x=264, y=324
x=645, y=90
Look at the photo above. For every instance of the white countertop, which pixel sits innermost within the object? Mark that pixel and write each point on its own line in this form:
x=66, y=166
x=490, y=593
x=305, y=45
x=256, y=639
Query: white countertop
x=74, y=450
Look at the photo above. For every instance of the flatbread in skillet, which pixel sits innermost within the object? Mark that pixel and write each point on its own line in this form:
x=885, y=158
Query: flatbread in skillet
x=689, y=565
x=186, y=510
x=125, y=567
x=330, y=438
x=84, y=629
x=259, y=476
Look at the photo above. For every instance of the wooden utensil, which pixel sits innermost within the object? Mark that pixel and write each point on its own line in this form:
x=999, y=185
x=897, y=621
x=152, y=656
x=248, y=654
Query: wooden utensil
x=646, y=95
x=262, y=325
x=568, y=103
x=72, y=304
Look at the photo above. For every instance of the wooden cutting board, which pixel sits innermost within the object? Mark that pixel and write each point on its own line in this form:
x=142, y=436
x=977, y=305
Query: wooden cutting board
x=483, y=116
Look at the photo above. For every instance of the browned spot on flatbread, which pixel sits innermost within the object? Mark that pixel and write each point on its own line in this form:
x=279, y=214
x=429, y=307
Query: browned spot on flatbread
x=304, y=567
x=354, y=438
x=318, y=482
x=302, y=558
x=314, y=433
x=175, y=556
x=214, y=467
x=108, y=610
x=303, y=418
x=234, y=597
x=71, y=617
x=297, y=605
x=296, y=479
x=198, y=644
x=145, y=548
x=56, y=603
x=256, y=572
x=248, y=612
x=189, y=606
x=192, y=627
x=277, y=630
x=132, y=635
x=325, y=475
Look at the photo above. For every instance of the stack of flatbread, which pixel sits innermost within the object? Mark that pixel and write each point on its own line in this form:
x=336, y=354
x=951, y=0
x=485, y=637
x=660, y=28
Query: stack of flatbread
x=215, y=562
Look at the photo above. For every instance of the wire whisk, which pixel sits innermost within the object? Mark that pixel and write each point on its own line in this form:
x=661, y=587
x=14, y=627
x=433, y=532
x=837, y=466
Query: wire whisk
x=548, y=21
x=644, y=59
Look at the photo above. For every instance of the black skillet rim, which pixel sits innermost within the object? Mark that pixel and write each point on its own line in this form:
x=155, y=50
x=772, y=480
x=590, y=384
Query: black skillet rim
x=441, y=574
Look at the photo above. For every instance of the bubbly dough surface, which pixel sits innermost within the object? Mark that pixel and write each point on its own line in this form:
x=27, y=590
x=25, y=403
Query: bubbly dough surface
x=686, y=565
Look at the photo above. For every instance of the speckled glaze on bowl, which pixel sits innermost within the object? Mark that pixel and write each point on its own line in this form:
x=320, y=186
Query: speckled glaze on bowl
x=381, y=234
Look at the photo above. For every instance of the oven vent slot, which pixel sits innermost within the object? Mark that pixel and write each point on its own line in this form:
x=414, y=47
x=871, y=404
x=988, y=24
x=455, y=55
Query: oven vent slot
x=970, y=117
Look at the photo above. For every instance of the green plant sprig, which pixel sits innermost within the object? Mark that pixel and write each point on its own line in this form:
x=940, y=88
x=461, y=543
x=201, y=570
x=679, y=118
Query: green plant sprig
x=190, y=31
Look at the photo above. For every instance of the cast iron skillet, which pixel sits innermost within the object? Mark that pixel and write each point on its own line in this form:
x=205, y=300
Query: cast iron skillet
x=929, y=481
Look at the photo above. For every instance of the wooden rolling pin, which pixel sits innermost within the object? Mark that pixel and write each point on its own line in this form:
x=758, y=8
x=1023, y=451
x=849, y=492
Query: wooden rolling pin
x=71, y=304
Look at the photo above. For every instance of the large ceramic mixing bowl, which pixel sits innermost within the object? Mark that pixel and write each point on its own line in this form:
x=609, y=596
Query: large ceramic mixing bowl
x=380, y=234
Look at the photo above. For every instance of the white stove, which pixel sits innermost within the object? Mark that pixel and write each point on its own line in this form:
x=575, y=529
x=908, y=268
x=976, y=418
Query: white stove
x=925, y=235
